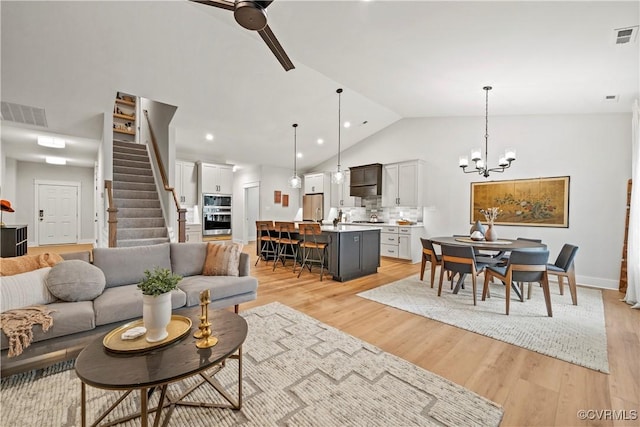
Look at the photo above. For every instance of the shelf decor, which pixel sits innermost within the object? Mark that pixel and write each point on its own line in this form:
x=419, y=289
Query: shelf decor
x=538, y=202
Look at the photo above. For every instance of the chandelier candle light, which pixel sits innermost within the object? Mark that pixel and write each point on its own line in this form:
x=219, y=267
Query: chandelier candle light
x=295, y=181
x=338, y=176
x=482, y=165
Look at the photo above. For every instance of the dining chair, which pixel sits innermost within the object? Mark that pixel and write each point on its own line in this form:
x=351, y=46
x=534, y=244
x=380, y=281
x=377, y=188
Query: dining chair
x=565, y=267
x=460, y=260
x=523, y=266
x=266, y=241
x=429, y=254
x=286, y=245
x=312, y=251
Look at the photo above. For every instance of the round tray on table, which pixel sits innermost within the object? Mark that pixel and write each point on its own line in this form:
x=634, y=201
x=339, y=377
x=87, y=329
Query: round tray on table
x=178, y=327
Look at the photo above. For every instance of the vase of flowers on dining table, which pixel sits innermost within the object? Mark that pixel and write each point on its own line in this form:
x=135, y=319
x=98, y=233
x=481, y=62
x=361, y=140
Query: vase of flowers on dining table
x=491, y=214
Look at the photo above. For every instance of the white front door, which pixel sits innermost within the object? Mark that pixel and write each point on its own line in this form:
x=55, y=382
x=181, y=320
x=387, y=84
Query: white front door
x=57, y=214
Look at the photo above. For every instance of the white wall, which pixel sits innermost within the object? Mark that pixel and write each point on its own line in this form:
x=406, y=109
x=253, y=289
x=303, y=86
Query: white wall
x=594, y=150
x=270, y=179
x=29, y=172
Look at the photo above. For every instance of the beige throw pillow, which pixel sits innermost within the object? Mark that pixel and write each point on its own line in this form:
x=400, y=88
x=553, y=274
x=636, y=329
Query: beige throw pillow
x=222, y=260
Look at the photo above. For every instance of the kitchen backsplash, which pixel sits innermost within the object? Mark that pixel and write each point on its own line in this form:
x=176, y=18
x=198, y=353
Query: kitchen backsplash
x=374, y=206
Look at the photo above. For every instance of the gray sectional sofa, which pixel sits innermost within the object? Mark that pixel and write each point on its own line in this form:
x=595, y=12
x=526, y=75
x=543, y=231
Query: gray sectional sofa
x=76, y=323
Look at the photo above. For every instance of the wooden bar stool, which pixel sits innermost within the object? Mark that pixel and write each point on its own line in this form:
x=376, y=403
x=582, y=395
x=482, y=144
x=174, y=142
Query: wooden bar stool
x=286, y=246
x=310, y=246
x=266, y=241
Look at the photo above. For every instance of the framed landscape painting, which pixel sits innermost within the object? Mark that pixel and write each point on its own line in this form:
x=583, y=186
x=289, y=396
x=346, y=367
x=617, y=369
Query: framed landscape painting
x=538, y=202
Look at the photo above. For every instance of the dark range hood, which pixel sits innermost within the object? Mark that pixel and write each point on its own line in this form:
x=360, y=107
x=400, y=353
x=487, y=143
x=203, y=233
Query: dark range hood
x=366, y=181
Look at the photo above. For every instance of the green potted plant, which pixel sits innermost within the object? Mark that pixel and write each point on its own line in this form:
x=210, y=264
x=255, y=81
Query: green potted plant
x=156, y=290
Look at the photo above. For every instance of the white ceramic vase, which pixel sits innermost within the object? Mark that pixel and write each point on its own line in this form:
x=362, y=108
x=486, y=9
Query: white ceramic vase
x=156, y=315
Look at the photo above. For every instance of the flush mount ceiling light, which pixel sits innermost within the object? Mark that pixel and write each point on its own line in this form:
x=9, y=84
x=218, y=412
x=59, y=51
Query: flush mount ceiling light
x=481, y=164
x=338, y=176
x=49, y=141
x=320, y=141
x=55, y=160
x=295, y=181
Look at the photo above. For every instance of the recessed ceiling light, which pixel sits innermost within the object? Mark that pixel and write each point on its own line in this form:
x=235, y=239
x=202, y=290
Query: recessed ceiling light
x=55, y=160
x=320, y=141
x=299, y=155
x=49, y=141
x=209, y=137
x=347, y=124
x=234, y=168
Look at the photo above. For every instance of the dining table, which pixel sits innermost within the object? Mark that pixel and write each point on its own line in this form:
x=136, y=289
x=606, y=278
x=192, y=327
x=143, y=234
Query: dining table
x=501, y=246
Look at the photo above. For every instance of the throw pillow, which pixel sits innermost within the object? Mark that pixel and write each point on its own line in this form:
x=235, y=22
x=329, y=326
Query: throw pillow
x=21, y=264
x=75, y=280
x=50, y=258
x=222, y=260
x=25, y=289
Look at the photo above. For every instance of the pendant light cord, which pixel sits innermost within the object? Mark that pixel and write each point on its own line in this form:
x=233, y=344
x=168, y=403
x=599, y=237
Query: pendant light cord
x=295, y=149
x=339, y=91
x=486, y=126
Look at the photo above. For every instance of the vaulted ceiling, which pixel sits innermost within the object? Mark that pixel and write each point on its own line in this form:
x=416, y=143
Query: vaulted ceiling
x=394, y=59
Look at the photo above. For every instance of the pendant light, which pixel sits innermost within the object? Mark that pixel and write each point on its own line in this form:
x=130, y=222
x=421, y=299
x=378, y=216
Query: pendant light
x=295, y=181
x=481, y=166
x=338, y=176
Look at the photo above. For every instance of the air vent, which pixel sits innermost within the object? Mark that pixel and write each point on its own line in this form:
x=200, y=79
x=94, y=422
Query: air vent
x=23, y=114
x=626, y=35
x=611, y=98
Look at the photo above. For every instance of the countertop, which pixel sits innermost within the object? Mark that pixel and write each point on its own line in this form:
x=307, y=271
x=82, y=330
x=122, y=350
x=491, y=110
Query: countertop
x=345, y=228
x=384, y=224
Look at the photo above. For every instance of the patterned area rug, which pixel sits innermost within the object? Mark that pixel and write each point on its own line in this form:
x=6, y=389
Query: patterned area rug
x=297, y=372
x=574, y=334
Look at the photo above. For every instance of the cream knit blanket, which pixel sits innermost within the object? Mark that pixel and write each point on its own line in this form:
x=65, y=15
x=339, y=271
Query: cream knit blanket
x=18, y=324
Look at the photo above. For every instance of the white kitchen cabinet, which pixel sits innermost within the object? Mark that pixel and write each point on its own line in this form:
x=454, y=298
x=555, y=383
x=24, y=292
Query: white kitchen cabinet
x=193, y=233
x=401, y=242
x=216, y=179
x=186, y=183
x=314, y=183
x=340, y=194
x=402, y=184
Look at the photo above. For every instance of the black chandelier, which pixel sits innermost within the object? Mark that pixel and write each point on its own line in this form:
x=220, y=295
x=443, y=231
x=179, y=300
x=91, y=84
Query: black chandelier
x=481, y=165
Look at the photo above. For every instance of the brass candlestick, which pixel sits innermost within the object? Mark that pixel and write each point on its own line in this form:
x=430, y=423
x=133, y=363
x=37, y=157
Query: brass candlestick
x=205, y=340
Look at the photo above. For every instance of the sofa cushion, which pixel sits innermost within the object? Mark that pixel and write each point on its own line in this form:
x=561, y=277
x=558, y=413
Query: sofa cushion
x=125, y=302
x=75, y=280
x=187, y=259
x=25, y=289
x=68, y=318
x=222, y=260
x=126, y=266
x=220, y=287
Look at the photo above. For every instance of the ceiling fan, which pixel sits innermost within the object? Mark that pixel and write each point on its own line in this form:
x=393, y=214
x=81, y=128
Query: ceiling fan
x=252, y=15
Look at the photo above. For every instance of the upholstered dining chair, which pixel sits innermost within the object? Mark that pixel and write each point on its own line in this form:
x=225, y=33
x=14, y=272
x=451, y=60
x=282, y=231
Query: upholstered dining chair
x=523, y=266
x=565, y=267
x=429, y=254
x=461, y=260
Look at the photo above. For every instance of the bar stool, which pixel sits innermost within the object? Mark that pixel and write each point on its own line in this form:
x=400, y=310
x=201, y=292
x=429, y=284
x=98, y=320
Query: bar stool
x=286, y=246
x=266, y=241
x=310, y=245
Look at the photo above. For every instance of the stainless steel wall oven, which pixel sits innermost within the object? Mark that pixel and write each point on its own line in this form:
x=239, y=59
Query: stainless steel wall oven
x=216, y=214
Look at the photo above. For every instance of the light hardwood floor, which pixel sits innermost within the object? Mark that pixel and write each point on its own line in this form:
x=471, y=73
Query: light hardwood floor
x=535, y=390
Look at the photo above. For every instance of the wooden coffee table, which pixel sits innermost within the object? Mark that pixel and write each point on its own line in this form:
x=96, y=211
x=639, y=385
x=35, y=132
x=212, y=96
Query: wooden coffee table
x=101, y=368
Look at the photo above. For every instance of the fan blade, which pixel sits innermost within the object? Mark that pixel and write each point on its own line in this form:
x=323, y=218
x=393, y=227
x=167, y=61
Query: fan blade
x=222, y=4
x=275, y=46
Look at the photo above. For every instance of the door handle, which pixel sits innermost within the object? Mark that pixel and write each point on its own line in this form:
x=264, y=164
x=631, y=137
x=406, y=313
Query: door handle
x=41, y=214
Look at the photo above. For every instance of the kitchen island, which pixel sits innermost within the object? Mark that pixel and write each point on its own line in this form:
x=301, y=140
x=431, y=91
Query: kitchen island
x=353, y=251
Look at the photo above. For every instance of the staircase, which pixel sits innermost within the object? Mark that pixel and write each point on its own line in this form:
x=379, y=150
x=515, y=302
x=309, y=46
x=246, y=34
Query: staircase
x=140, y=220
